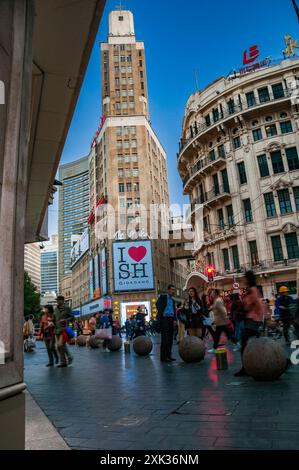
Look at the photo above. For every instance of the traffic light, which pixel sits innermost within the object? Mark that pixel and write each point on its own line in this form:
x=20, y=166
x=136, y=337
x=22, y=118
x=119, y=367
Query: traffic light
x=210, y=273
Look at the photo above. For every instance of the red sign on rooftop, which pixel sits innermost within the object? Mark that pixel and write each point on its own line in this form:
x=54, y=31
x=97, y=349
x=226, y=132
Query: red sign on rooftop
x=251, y=55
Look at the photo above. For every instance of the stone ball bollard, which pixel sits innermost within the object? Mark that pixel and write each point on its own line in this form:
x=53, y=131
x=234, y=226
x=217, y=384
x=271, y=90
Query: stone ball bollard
x=81, y=340
x=192, y=349
x=115, y=343
x=94, y=342
x=264, y=359
x=142, y=345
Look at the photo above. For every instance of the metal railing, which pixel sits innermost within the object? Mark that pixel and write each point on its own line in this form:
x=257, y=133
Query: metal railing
x=199, y=129
x=207, y=197
x=202, y=165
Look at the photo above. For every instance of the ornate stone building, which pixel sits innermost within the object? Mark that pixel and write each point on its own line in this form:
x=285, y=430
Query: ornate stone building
x=238, y=160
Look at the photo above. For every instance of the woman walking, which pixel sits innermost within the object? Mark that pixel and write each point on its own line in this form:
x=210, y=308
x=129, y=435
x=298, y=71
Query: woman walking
x=194, y=313
x=254, y=314
x=47, y=333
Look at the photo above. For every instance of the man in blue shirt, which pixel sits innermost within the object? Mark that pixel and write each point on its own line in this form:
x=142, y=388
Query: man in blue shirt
x=166, y=319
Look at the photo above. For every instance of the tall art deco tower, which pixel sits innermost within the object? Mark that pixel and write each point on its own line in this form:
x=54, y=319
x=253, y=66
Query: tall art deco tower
x=127, y=162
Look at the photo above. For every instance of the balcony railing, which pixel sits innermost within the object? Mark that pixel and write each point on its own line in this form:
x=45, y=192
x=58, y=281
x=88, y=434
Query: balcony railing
x=208, y=197
x=199, y=129
x=203, y=165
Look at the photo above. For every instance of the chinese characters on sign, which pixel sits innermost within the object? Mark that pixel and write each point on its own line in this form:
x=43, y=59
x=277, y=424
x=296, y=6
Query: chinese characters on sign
x=291, y=45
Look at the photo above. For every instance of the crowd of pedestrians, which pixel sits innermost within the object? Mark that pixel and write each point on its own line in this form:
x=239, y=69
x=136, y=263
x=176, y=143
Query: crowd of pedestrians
x=206, y=315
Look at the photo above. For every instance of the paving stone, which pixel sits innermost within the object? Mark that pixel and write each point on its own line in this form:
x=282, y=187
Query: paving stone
x=181, y=406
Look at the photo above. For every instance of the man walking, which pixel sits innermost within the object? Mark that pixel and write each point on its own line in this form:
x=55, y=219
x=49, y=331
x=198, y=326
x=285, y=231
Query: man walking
x=62, y=314
x=167, y=320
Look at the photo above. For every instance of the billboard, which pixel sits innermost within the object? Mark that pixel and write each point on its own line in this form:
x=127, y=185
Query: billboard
x=91, y=284
x=133, y=266
x=104, y=271
x=80, y=247
x=96, y=272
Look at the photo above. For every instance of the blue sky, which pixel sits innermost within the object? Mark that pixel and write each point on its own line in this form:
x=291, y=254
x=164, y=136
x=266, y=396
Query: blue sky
x=180, y=36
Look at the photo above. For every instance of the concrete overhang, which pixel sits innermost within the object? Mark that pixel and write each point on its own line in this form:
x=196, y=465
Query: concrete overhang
x=64, y=34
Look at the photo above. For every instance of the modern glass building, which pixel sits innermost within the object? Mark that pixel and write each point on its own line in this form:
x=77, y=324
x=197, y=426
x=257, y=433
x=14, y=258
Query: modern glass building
x=73, y=213
x=49, y=271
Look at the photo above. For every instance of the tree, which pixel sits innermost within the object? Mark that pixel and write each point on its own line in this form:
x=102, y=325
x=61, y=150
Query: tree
x=31, y=297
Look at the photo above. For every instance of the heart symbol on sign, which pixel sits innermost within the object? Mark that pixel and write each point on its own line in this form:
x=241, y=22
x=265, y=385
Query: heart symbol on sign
x=137, y=253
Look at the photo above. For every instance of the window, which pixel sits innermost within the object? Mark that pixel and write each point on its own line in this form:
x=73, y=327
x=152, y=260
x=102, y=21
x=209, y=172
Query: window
x=216, y=185
x=237, y=142
x=271, y=130
x=284, y=201
x=277, y=162
x=263, y=165
x=133, y=143
x=129, y=187
x=253, y=253
x=141, y=73
x=212, y=155
x=215, y=113
x=208, y=120
x=257, y=135
x=231, y=106
x=221, y=219
x=226, y=259
x=121, y=188
x=140, y=63
x=247, y=210
x=206, y=224
x=292, y=245
x=296, y=197
x=250, y=98
x=221, y=151
x=277, y=248
x=135, y=187
x=242, y=173
x=235, y=256
x=278, y=91
x=120, y=172
x=270, y=204
x=230, y=215
x=225, y=181
x=129, y=202
x=286, y=127
x=120, y=18
x=263, y=95
x=122, y=202
x=292, y=158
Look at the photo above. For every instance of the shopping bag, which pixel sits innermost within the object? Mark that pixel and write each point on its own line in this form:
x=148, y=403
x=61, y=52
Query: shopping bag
x=103, y=333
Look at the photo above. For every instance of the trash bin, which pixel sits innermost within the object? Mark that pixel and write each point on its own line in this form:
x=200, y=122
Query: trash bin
x=127, y=347
x=221, y=359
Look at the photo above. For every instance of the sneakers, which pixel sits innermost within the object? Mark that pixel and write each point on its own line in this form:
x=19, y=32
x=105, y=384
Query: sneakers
x=62, y=365
x=50, y=365
x=211, y=350
x=237, y=347
x=70, y=360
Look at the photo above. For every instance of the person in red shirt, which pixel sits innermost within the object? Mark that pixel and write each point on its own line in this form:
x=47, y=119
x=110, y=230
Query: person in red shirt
x=47, y=333
x=254, y=314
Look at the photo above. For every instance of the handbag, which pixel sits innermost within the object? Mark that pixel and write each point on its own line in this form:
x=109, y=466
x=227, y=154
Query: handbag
x=103, y=333
x=207, y=321
x=70, y=333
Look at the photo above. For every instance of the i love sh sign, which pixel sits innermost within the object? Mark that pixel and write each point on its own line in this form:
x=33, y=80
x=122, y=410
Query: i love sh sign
x=133, y=266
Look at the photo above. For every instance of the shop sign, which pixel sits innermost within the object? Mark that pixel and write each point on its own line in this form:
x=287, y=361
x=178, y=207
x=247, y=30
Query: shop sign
x=133, y=266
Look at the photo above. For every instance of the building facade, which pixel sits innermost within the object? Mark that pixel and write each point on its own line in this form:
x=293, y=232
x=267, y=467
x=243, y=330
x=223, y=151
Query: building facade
x=32, y=263
x=73, y=211
x=127, y=168
x=49, y=267
x=238, y=160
